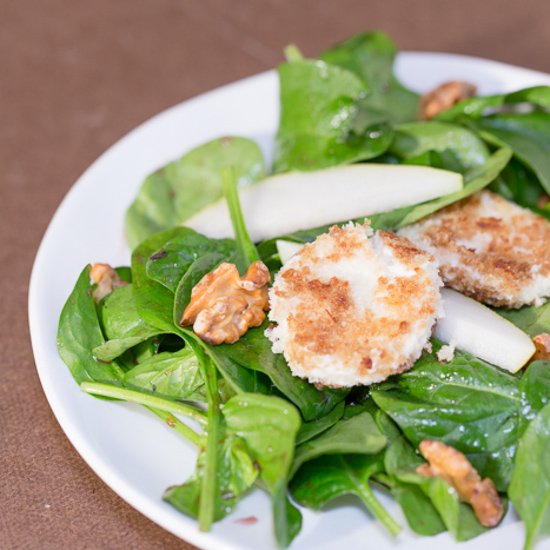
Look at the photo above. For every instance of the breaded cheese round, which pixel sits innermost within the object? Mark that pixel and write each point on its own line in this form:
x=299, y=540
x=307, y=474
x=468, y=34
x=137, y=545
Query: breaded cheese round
x=353, y=307
x=490, y=249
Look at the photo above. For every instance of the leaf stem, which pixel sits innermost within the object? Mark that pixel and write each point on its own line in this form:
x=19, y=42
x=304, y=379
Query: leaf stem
x=293, y=54
x=247, y=253
x=209, y=478
x=378, y=511
x=177, y=424
x=117, y=392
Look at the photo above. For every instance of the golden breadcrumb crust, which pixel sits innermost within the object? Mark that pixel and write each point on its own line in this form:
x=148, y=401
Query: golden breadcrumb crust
x=325, y=320
x=490, y=249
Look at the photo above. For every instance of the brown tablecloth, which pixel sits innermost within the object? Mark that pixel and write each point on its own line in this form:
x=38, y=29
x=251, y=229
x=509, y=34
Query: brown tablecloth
x=74, y=77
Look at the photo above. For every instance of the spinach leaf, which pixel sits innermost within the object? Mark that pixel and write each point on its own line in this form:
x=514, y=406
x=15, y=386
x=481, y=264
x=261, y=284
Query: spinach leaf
x=401, y=459
x=153, y=301
x=235, y=474
x=168, y=264
x=321, y=480
x=175, y=192
x=122, y=325
x=475, y=107
x=269, y=426
x=535, y=389
x=371, y=56
x=440, y=506
x=527, y=135
x=174, y=375
x=466, y=403
x=255, y=434
x=530, y=486
x=532, y=320
x=420, y=513
x=418, y=138
x=518, y=184
x=308, y=430
x=253, y=352
x=459, y=518
x=156, y=305
x=238, y=377
x=358, y=434
x=79, y=333
x=319, y=124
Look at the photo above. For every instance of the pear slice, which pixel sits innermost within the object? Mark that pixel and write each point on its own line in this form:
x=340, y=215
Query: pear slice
x=475, y=328
x=289, y=202
x=287, y=249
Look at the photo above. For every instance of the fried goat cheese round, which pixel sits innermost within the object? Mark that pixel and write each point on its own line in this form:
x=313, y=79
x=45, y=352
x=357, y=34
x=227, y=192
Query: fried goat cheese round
x=353, y=307
x=490, y=249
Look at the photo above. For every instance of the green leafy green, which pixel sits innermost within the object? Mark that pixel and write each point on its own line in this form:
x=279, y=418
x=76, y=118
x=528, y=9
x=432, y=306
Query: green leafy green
x=168, y=264
x=252, y=352
x=175, y=192
x=530, y=486
x=527, y=135
x=238, y=376
x=440, y=506
x=467, y=404
x=256, y=437
x=319, y=123
x=122, y=325
x=400, y=459
x=532, y=320
x=371, y=57
x=518, y=184
x=269, y=426
x=535, y=389
x=153, y=301
x=235, y=474
x=309, y=430
x=417, y=138
x=459, y=518
x=475, y=107
x=322, y=480
x=79, y=333
x=358, y=434
x=419, y=511
x=174, y=375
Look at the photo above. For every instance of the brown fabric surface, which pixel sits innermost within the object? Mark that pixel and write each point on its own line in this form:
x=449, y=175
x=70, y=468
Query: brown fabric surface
x=76, y=76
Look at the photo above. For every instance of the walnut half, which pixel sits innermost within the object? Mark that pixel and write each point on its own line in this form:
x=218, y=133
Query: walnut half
x=224, y=306
x=542, y=345
x=444, y=97
x=106, y=279
x=455, y=469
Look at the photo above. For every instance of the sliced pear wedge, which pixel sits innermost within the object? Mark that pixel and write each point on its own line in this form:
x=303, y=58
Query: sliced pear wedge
x=475, y=328
x=287, y=249
x=289, y=202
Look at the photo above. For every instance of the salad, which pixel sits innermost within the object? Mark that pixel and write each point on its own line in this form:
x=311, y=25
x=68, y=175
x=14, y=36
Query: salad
x=254, y=422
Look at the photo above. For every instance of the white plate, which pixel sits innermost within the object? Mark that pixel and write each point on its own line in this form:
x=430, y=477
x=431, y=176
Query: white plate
x=135, y=454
